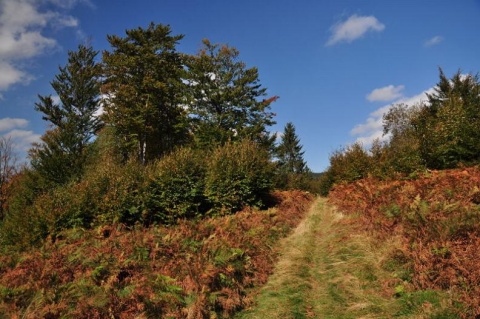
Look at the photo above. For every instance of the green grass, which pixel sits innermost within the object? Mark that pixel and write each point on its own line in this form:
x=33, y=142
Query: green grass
x=329, y=269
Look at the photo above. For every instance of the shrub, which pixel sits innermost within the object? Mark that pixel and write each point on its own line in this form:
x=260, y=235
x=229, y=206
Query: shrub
x=238, y=175
x=118, y=191
x=176, y=187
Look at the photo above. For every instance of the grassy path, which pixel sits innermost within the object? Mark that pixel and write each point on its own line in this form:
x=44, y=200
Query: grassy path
x=327, y=270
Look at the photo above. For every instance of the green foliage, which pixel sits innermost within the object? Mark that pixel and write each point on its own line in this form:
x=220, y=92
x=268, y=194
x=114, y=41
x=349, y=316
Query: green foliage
x=63, y=152
x=176, y=188
x=238, y=175
x=289, y=152
x=347, y=165
x=225, y=97
x=292, y=171
x=144, y=88
x=449, y=122
x=22, y=226
x=118, y=191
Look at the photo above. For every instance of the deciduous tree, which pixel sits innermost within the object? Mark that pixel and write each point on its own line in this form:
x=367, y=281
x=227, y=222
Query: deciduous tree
x=144, y=91
x=227, y=101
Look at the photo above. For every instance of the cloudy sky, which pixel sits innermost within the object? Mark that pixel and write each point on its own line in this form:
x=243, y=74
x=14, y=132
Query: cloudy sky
x=336, y=65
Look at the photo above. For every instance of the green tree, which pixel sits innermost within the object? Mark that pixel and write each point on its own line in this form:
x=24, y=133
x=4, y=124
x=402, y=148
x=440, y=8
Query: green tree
x=289, y=152
x=226, y=101
x=348, y=165
x=449, y=122
x=144, y=91
x=62, y=154
x=402, y=151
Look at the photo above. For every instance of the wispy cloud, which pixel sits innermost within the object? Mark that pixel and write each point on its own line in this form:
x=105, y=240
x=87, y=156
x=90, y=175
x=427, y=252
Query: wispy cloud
x=433, y=41
x=14, y=128
x=387, y=93
x=11, y=123
x=353, y=28
x=23, y=139
x=22, y=34
x=372, y=128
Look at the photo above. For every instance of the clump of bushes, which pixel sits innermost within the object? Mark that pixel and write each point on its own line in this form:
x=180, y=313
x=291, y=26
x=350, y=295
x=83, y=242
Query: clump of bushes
x=186, y=184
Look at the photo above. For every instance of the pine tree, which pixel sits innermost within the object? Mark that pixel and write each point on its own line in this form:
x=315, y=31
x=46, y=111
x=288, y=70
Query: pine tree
x=226, y=98
x=63, y=151
x=144, y=89
x=289, y=152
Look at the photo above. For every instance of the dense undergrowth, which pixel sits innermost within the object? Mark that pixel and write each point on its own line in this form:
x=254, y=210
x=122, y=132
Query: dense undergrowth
x=196, y=269
x=438, y=217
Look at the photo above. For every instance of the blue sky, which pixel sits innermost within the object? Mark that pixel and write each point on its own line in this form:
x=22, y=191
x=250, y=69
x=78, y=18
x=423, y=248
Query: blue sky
x=336, y=65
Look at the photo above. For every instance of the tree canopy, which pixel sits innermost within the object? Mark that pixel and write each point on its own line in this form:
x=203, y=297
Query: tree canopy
x=226, y=98
x=144, y=91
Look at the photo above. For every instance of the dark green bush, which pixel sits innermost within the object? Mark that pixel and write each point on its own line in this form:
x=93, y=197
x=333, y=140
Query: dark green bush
x=176, y=187
x=238, y=175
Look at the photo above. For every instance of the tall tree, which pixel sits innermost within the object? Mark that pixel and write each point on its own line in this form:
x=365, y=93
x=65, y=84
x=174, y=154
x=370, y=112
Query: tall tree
x=227, y=101
x=62, y=153
x=144, y=91
x=289, y=152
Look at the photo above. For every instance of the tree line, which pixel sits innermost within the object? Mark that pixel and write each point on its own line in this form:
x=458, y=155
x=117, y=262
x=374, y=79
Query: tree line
x=149, y=135
x=439, y=133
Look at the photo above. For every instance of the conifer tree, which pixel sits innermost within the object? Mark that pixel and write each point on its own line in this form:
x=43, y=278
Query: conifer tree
x=289, y=152
x=144, y=92
x=63, y=151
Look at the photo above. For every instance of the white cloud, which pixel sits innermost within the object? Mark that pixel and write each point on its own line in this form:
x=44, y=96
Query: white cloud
x=9, y=123
x=353, y=28
x=68, y=4
x=387, y=93
x=10, y=75
x=433, y=41
x=22, y=139
x=22, y=26
x=372, y=128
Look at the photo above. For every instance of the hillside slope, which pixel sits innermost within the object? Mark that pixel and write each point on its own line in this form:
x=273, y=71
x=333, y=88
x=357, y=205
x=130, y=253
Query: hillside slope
x=196, y=269
x=437, y=217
